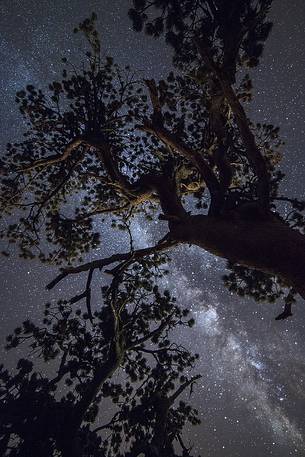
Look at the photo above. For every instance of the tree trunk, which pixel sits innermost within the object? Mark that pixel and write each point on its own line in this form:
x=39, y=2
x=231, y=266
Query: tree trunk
x=68, y=441
x=262, y=243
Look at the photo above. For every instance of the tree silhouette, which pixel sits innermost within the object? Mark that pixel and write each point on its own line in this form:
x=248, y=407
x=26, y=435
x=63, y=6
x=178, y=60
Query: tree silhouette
x=121, y=358
x=101, y=144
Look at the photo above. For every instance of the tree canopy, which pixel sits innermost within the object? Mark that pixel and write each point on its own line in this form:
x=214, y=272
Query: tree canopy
x=130, y=333
x=102, y=144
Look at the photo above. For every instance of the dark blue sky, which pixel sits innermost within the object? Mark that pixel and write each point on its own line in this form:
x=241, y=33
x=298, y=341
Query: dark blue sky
x=251, y=395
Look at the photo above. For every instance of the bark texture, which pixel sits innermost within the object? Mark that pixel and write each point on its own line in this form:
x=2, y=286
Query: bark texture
x=266, y=244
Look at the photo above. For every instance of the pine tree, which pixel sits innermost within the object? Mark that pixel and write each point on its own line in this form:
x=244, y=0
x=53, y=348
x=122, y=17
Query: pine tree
x=102, y=144
x=121, y=359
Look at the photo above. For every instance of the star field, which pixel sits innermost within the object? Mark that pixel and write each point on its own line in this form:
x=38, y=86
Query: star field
x=251, y=396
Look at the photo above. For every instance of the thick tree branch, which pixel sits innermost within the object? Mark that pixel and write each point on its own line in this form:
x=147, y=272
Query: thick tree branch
x=165, y=187
x=63, y=368
x=96, y=212
x=101, y=263
x=154, y=97
x=195, y=158
x=106, y=155
x=183, y=386
x=153, y=333
x=253, y=153
x=156, y=128
x=57, y=158
x=217, y=127
x=286, y=313
x=256, y=159
x=109, y=424
x=224, y=167
x=143, y=188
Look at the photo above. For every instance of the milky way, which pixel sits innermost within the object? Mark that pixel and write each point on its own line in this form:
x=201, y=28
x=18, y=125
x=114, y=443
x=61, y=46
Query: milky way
x=251, y=396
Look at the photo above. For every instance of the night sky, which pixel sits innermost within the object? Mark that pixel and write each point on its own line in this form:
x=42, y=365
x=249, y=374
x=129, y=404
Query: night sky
x=251, y=395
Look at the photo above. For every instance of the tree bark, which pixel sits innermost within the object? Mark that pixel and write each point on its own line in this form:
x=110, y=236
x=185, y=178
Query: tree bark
x=68, y=440
x=266, y=244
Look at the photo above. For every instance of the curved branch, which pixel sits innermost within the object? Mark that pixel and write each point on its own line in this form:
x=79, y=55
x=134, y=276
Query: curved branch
x=57, y=157
x=195, y=158
x=224, y=167
x=156, y=128
x=153, y=333
x=286, y=313
x=112, y=210
x=99, y=264
x=256, y=159
x=253, y=153
x=183, y=386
